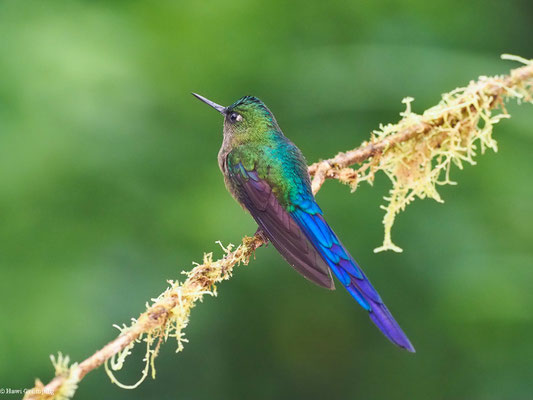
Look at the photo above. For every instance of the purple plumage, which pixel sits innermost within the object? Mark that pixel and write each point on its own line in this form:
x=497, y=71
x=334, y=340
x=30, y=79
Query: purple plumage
x=282, y=229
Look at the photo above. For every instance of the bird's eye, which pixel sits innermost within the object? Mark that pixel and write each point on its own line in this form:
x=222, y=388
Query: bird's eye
x=234, y=117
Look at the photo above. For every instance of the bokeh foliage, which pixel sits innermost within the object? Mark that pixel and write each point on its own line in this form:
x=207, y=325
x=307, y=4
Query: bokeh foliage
x=110, y=186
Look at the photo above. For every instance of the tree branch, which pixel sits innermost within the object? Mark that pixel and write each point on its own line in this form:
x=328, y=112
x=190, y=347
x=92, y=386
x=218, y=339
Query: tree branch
x=494, y=88
x=429, y=142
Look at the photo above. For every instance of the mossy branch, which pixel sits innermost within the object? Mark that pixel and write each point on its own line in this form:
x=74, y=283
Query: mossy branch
x=416, y=154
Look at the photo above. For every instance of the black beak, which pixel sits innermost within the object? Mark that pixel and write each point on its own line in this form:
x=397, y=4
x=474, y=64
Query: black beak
x=216, y=106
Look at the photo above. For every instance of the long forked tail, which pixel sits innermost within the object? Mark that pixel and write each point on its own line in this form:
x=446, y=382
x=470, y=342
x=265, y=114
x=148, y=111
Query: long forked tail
x=352, y=277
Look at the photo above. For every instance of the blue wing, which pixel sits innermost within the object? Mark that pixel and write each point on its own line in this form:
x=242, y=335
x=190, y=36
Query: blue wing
x=306, y=241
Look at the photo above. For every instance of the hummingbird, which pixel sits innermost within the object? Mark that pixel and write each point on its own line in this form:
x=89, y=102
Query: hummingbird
x=267, y=175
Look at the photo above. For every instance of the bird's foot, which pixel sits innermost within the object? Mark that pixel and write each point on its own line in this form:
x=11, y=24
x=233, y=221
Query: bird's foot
x=259, y=232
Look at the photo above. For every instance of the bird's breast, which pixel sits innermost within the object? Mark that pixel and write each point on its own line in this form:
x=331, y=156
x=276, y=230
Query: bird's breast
x=223, y=165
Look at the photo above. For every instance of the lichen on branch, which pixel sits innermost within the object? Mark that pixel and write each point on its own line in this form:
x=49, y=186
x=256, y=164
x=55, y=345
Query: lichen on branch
x=416, y=154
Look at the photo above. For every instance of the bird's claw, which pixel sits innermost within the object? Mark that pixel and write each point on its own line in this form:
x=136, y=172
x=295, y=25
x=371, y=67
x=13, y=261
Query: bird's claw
x=259, y=232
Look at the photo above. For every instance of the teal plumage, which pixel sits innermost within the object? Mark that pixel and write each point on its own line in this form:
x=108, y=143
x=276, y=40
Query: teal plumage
x=267, y=174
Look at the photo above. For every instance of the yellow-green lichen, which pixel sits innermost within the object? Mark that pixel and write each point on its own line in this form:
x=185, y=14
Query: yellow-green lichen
x=168, y=315
x=454, y=132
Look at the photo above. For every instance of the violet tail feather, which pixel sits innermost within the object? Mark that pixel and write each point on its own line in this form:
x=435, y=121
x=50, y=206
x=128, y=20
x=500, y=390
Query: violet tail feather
x=352, y=277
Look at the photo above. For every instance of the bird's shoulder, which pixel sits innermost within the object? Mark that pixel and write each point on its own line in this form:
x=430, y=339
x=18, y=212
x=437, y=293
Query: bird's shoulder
x=280, y=163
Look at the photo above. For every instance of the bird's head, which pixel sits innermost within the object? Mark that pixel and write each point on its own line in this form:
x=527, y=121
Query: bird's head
x=247, y=118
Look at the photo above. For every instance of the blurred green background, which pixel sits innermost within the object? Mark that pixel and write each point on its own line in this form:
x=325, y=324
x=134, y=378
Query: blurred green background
x=110, y=186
